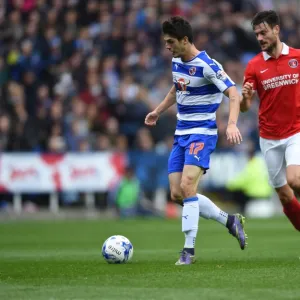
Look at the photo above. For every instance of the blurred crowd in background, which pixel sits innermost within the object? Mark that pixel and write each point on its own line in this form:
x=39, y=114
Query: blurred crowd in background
x=81, y=75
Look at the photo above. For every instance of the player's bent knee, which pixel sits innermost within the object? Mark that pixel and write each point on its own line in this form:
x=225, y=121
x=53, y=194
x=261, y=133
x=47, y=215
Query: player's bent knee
x=294, y=181
x=188, y=187
x=176, y=196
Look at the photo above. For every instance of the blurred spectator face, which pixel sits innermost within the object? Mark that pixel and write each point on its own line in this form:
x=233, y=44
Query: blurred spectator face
x=142, y=38
x=166, y=7
x=131, y=22
x=75, y=128
x=4, y=124
x=93, y=64
x=84, y=33
x=41, y=112
x=104, y=6
x=118, y=7
x=146, y=143
x=266, y=36
x=144, y=139
x=50, y=33
x=130, y=47
x=76, y=60
x=58, y=4
x=65, y=85
x=27, y=48
x=109, y=63
x=136, y=4
x=84, y=145
x=52, y=17
x=103, y=143
x=153, y=3
x=18, y=4
x=56, y=130
x=94, y=85
x=29, y=78
x=56, y=144
x=105, y=20
x=78, y=108
x=130, y=89
x=21, y=112
x=34, y=17
x=225, y=7
x=151, y=17
x=92, y=112
x=56, y=111
x=68, y=36
x=72, y=3
x=145, y=57
x=43, y=92
x=16, y=93
x=92, y=6
x=112, y=126
x=121, y=143
x=32, y=29
x=41, y=3
x=15, y=17
x=71, y=17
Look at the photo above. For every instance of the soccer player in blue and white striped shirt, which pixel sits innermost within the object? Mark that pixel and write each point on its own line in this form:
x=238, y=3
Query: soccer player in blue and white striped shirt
x=199, y=85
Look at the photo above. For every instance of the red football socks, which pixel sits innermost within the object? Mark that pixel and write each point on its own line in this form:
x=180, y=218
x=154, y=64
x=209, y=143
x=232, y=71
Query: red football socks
x=292, y=211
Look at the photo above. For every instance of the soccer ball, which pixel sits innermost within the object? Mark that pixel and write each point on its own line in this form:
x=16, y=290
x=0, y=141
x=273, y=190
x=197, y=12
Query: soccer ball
x=117, y=249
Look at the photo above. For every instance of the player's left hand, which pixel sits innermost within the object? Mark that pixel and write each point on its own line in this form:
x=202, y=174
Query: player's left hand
x=233, y=134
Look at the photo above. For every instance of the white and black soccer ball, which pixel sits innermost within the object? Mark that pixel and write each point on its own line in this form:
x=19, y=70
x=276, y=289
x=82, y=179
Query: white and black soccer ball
x=117, y=249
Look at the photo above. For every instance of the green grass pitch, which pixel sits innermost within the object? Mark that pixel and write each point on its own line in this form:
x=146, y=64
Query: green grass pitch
x=62, y=260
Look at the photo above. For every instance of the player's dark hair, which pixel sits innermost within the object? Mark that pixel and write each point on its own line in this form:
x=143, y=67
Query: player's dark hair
x=178, y=28
x=268, y=16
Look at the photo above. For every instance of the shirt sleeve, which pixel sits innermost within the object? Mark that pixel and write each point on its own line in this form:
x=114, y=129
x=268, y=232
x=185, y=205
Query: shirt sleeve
x=250, y=76
x=213, y=71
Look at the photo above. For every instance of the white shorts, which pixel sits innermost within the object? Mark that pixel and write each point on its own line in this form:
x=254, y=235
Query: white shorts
x=278, y=155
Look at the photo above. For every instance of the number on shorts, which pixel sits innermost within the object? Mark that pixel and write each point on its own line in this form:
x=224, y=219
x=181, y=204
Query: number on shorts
x=195, y=148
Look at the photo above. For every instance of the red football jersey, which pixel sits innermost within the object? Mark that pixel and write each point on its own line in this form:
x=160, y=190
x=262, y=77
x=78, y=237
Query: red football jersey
x=277, y=82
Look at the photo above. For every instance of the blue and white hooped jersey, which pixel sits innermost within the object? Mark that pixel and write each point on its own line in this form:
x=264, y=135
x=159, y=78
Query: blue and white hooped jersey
x=199, y=84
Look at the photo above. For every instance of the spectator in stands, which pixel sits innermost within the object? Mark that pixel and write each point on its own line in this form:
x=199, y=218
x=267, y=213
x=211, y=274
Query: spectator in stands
x=127, y=195
x=252, y=182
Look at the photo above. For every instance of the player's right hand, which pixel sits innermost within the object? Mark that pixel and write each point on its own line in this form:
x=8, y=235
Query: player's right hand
x=151, y=118
x=247, y=90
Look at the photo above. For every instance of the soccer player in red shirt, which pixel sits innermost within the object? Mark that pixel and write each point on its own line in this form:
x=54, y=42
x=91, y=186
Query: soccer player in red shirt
x=274, y=75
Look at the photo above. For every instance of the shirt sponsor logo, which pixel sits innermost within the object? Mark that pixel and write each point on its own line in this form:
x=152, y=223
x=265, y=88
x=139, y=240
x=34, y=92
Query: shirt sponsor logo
x=278, y=81
x=182, y=83
x=293, y=63
x=221, y=75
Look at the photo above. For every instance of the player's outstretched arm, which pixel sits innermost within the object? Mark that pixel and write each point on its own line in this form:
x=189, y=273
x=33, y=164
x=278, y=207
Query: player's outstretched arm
x=169, y=100
x=247, y=96
x=233, y=134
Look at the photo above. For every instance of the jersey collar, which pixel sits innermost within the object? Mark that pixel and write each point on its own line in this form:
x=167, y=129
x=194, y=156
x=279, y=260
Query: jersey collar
x=285, y=51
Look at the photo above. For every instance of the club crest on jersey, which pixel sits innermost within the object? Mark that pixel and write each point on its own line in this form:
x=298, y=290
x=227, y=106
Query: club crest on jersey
x=192, y=71
x=221, y=75
x=293, y=63
x=182, y=84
